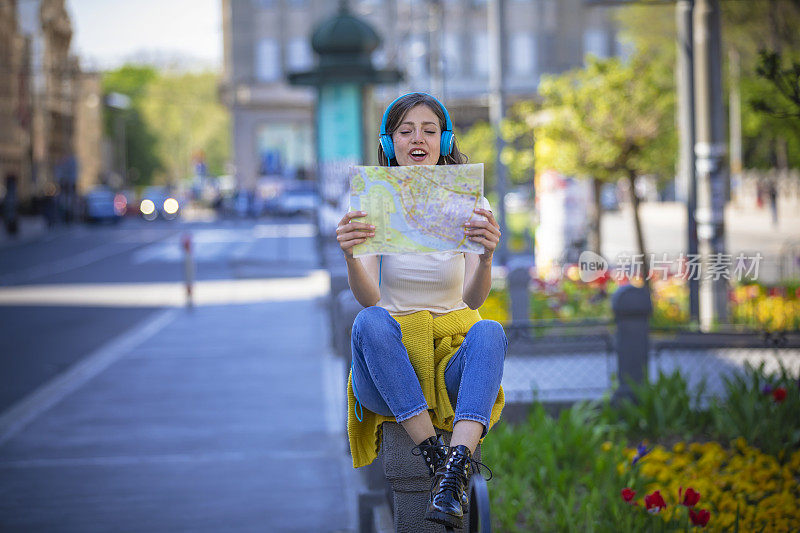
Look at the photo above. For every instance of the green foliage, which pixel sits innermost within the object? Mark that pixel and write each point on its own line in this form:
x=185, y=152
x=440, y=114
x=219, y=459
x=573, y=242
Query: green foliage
x=664, y=410
x=750, y=411
x=478, y=144
x=190, y=120
x=559, y=474
x=173, y=117
x=786, y=80
x=748, y=28
x=566, y=473
x=140, y=138
x=608, y=120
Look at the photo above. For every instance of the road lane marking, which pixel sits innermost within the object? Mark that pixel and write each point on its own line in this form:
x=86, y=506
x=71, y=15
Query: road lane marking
x=170, y=294
x=173, y=458
x=18, y=416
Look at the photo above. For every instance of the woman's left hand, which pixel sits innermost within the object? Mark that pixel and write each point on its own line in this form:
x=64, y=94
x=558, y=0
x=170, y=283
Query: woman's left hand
x=485, y=232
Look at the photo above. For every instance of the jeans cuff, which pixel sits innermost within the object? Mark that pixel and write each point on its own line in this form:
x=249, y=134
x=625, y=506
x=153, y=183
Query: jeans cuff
x=409, y=414
x=475, y=418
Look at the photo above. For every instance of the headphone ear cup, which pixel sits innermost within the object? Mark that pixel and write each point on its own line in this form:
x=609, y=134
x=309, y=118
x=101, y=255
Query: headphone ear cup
x=388, y=146
x=446, y=143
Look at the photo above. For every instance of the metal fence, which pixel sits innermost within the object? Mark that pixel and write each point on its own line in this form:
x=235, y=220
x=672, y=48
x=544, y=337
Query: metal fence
x=558, y=361
x=707, y=359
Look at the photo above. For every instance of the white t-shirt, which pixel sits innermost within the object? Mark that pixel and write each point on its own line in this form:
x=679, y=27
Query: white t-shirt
x=422, y=282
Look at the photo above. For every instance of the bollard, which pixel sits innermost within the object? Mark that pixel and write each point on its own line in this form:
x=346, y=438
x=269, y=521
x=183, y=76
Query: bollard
x=632, y=309
x=188, y=268
x=518, y=280
x=409, y=481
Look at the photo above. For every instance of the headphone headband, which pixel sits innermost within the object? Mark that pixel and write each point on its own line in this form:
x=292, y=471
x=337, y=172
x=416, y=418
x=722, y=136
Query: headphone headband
x=446, y=144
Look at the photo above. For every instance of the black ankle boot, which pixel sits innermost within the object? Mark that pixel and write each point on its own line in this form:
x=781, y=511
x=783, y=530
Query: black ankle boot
x=434, y=451
x=449, y=488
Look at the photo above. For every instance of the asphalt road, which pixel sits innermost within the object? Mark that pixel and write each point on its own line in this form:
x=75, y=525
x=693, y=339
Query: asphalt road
x=38, y=341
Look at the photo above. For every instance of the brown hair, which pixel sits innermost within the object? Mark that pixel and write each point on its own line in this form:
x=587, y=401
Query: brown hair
x=399, y=110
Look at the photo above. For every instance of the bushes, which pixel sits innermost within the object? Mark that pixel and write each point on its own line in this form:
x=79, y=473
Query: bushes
x=567, y=473
x=555, y=474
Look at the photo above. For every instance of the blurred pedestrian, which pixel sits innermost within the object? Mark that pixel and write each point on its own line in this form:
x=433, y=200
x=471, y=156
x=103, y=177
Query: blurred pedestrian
x=10, y=205
x=422, y=356
x=772, y=193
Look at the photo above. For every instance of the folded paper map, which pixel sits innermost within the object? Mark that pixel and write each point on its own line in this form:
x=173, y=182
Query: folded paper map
x=417, y=209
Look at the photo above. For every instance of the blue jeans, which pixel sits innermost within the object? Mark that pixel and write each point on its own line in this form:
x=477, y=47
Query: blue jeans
x=385, y=382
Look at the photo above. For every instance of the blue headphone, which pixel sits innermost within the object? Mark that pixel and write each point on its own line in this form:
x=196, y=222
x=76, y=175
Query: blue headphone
x=445, y=146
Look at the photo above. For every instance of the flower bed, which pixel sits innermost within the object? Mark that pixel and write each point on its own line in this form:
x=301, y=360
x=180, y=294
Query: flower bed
x=737, y=485
x=577, y=473
x=771, y=308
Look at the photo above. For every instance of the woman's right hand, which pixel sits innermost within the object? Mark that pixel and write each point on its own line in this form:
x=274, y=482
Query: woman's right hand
x=350, y=232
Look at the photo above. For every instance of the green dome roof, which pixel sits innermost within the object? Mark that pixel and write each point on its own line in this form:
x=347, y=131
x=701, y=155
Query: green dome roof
x=344, y=34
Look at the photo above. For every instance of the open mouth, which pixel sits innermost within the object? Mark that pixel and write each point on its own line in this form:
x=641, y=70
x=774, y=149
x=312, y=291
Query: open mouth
x=418, y=155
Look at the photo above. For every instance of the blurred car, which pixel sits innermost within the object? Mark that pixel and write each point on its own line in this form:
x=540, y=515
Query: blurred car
x=297, y=201
x=157, y=202
x=101, y=204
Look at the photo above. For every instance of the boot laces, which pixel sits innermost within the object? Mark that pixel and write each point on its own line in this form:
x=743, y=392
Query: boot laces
x=455, y=479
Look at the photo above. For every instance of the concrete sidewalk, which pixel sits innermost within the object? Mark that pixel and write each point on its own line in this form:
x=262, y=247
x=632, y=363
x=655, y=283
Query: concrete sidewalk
x=225, y=418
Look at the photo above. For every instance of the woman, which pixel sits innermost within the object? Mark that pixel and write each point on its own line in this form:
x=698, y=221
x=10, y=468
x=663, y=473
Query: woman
x=419, y=346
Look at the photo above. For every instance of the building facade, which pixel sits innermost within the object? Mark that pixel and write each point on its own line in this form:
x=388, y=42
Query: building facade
x=441, y=46
x=50, y=111
x=14, y=104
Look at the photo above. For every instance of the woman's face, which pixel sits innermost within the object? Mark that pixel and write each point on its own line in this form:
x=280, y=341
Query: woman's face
x=417, y=139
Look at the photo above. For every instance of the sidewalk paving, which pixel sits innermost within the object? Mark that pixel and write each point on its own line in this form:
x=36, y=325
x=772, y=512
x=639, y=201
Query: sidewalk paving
x=224, y=418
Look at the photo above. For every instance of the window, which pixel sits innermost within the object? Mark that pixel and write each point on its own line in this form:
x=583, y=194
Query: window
x=299, y=54
x=480, y=54
x=451, y=52
x=268, y=65
x=522, y=60
x=550, y=14
x=595, y=42
x=379, y=58
x=417, y=57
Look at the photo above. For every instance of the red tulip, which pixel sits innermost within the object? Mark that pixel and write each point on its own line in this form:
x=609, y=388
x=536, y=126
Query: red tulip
x=699, y=518
x=628, y=494
x=654, y=502
x=691, y=497
x=779, y=394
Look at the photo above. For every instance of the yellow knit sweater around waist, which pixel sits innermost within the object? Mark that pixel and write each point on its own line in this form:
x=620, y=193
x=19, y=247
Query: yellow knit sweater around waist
x=430, y=343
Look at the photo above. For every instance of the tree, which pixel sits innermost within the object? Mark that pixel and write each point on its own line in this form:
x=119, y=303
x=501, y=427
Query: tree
x=140, y=141
x=609, y=120
x=748, y=28
x=190, y=120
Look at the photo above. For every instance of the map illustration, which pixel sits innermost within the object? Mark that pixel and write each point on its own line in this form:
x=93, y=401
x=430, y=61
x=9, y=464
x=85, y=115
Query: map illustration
x=417, y=209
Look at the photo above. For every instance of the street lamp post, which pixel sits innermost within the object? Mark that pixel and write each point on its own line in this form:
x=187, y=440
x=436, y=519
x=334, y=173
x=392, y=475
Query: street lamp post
x=121, y=103
x=343, y=78
x=686, y=123
x=497, y=113
x=710, y=150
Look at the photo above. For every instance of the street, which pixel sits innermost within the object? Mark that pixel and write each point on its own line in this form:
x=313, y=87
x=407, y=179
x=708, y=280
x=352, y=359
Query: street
x=137, y=259
x=122, y=410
